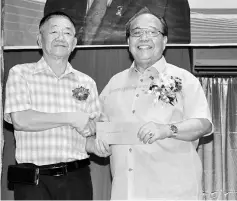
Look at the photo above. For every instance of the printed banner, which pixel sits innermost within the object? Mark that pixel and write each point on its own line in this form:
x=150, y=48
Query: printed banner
x=102, y=22
x=98, y=22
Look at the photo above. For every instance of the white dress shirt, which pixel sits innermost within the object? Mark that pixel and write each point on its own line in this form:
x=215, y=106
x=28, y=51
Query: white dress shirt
x=166, y=169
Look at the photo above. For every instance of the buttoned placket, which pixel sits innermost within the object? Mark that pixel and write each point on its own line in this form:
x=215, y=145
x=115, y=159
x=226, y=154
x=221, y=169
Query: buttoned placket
x=137, y=93
x=56, y=82
x=131, y=166
x=130, y=173
x=59, y=91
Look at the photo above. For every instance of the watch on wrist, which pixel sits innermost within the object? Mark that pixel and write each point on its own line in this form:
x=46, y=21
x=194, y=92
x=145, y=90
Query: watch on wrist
x=174, y=131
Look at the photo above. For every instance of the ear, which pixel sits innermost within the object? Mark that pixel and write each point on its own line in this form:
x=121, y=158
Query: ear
x=39, y=40
x=74, y=43
x=165, y=40
x=128, y=40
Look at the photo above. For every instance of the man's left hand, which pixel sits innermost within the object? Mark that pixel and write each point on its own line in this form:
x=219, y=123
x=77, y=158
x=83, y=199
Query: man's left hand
x=151, y=131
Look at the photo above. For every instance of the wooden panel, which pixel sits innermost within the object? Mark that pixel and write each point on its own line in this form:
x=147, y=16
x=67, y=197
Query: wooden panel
x=215, y=56
x=32, y=4
x=21, y=22
x=12, y=17
x=213, y=28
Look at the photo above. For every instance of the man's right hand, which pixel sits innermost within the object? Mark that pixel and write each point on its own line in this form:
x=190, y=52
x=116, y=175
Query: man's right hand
x=97, y=147
x=78, y=119
x=89, y=129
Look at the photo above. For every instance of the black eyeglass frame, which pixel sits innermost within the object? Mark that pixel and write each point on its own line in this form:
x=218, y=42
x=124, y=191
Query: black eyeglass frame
x=145, y=30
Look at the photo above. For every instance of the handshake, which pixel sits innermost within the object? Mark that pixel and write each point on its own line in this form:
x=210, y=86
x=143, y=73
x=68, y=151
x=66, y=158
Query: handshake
x=90, y=127
x=93, y=145
x=145, y=133
x=85, y=124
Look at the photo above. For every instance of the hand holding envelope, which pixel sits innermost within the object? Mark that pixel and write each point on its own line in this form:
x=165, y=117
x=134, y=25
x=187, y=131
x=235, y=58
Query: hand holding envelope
x=119, y=132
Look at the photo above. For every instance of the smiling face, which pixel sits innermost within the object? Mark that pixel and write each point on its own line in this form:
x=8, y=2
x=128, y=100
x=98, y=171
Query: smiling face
x=146, y=49
x=57, y=37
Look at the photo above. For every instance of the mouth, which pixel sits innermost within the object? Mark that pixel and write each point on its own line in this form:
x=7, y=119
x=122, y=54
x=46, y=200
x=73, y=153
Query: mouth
x=60, y=45
x=144, y=47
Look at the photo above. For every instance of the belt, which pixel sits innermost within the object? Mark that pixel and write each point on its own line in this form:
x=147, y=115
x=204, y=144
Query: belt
x=60, y=169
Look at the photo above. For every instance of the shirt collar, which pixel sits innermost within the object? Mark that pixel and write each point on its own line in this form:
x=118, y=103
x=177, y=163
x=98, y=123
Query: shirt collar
x=159, y=66
x=41, y=65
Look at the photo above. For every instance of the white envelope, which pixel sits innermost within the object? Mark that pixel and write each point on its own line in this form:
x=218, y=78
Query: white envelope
x=118, y=132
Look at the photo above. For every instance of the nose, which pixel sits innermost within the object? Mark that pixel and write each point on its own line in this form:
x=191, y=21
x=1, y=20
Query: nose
x=144, y=35
x=60, y=35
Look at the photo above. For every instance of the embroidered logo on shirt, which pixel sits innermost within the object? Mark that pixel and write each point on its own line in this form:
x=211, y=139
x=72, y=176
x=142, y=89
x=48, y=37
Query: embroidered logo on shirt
x=165, y=88
x=80, y=93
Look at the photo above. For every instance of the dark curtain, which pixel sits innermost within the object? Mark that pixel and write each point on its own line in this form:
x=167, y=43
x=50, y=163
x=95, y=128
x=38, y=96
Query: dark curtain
x=101, y=64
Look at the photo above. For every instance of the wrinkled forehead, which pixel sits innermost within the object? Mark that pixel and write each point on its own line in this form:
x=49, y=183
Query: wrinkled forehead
x=146, y=20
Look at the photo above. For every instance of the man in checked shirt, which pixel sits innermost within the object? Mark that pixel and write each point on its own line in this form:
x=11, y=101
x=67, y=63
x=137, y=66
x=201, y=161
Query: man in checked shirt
x=53, y=109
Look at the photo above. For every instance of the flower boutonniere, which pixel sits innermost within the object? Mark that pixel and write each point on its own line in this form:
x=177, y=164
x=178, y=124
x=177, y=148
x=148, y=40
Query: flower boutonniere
x=165, y=88
x=119, y=11
x=80, y=93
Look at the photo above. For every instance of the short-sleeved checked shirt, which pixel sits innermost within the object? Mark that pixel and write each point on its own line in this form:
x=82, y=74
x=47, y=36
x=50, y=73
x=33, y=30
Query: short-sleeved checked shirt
x=34, y=86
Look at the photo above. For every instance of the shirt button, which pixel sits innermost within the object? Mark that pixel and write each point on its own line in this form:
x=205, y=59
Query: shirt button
x=137, y=95
x=133, y=111
x=130, y=149
x=130, y=169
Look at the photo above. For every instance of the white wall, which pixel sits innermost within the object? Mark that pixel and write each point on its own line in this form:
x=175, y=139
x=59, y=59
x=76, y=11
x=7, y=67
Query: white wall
x=215, y=4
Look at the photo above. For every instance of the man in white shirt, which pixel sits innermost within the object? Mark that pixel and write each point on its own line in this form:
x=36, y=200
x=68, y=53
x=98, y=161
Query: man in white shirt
x=171, y=103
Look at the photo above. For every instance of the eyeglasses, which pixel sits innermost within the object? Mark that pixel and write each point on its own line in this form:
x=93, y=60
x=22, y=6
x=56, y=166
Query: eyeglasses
x=138, y=32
